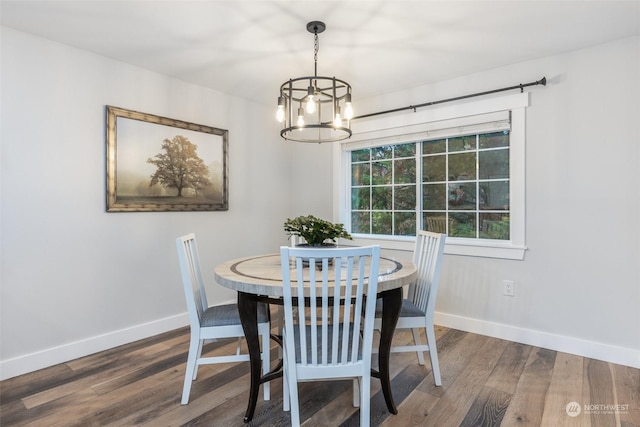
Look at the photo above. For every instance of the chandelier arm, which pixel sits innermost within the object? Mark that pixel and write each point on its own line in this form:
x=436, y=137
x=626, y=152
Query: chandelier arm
x=331, y=88
x=329, y=95
x=335, y=106
x=290, y=103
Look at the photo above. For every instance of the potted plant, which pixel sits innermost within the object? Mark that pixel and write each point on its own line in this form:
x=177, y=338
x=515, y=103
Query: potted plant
x=315, y=231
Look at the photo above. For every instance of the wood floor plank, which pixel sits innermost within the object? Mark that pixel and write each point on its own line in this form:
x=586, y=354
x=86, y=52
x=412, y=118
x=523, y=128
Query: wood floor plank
x=565, y=387
x=55, y=382
x=340, y=408
x=488, y=409
x=171, y=358
x=627, y=387
x=585, y=418
x=452, y=357
x=601, y=393
x=527, y=404
x=230, y=414
x=413, y=411
x=17, y=388
x=469, y=379
x=109, y=357
x=425, y=395
x=509, y=368
x=60, y=412
x=136, y=360
x=166, y=394
x=151, y=387
x=486, y=381
x=402, y=385
x=220, y=398
x=12, y=411
x=151, y=393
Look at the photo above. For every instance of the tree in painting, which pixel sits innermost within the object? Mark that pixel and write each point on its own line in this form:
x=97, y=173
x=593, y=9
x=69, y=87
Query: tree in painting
x=179, y=166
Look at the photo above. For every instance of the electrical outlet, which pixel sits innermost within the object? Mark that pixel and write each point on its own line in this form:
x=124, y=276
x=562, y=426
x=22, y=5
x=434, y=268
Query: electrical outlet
x=508, y=288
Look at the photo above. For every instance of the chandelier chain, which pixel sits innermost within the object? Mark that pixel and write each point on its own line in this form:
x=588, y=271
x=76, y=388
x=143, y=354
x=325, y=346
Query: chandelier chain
x=316, y=47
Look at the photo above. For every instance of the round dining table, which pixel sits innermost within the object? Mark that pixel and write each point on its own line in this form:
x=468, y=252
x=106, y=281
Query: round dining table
x=258, y=279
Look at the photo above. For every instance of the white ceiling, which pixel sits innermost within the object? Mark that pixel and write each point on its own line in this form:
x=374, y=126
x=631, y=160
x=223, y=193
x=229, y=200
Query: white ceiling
x=248, y=48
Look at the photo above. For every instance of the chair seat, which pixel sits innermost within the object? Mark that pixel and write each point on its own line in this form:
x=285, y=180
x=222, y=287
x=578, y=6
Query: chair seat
x=408, y=309
x=227, y=314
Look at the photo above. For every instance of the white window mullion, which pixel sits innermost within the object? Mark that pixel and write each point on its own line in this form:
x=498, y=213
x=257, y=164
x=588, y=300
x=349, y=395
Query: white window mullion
x=419, y=185
x=477, y=185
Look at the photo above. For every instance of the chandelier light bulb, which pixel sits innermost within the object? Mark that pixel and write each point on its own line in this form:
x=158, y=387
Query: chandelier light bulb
x=337, y=122
x=348, y=108
x=280, y=110
x=300, y=117
x=311, y=105
x=348, y=111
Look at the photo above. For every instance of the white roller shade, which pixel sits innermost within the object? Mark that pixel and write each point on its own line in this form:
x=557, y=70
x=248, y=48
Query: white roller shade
x=469, y=125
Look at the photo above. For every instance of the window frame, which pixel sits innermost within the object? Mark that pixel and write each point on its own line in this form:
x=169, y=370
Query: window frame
x=381, y=130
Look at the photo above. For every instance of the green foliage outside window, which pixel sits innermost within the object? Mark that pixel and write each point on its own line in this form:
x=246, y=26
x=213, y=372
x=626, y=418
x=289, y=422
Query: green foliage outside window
x=463, y=191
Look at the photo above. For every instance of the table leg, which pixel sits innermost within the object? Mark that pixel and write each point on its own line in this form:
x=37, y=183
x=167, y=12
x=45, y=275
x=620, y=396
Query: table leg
x=248, y=310
x=391, y=304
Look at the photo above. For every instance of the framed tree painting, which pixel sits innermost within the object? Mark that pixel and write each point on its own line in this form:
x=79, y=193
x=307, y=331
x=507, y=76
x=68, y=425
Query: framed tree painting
x=156, y=164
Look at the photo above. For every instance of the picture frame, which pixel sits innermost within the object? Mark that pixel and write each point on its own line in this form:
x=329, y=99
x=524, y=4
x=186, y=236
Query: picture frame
x=157, y=164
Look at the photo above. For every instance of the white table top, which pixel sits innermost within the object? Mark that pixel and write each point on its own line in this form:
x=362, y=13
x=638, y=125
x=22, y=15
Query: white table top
x=262, y=275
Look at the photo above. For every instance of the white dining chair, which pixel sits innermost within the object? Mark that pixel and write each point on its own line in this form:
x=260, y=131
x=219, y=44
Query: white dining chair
x=215, y=322
x=419, y=306
x=326, y=334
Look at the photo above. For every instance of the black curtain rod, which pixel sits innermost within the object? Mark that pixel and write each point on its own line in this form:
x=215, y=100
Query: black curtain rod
x=521, y=86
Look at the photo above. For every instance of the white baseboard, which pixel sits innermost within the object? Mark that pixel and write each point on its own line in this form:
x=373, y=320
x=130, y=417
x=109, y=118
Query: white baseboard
x=591, y=349
x=64, y=353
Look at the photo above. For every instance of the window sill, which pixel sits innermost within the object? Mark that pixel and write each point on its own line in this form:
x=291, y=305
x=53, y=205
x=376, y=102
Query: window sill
x=454, y=246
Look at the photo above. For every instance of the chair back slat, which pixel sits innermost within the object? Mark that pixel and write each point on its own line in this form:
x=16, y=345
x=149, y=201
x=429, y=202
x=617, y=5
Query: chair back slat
x=428, y=259
x=331, y=287
x=194, y=291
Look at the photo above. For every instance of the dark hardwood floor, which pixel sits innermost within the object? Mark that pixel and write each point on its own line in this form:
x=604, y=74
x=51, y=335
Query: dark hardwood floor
x=486, y=382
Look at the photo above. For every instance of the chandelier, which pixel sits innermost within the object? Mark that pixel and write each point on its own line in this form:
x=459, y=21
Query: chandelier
x=314, y=108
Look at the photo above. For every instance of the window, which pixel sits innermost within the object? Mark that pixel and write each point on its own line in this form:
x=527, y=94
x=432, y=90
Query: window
x=462, y=176
x=458, y=186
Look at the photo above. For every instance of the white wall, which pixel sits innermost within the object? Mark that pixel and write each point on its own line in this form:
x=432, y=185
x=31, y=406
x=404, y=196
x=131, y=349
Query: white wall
x=578, y=288
x=312, y=187
x=74, y=278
